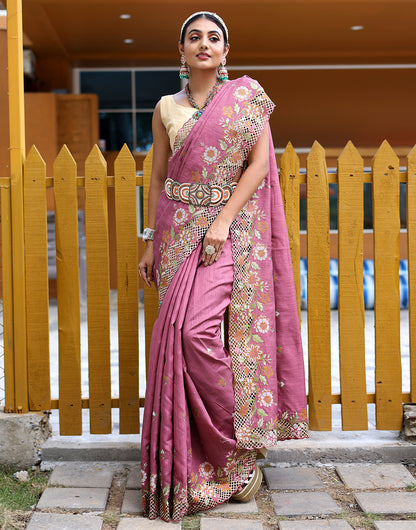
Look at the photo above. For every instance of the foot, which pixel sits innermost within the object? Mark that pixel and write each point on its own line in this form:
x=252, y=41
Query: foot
x=250, y=489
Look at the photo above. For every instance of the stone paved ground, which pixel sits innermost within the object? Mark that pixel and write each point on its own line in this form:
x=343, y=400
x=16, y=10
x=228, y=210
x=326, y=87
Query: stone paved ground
x=106, y=496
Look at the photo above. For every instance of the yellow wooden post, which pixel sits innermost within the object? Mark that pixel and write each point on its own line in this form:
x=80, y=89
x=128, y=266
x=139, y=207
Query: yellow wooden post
x=350, y=290
x=17, y=155
x=289, y=184
x=319, y=312
x=411, y=253
x=386, y=223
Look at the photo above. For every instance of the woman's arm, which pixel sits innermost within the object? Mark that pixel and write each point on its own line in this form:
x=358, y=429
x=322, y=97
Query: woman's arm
x=257, y=169
x=161, y=153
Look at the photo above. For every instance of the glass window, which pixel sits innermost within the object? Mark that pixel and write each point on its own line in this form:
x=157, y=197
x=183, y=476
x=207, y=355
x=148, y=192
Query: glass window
x=144, y=137
x=116, y=128
x=113, y=88
x=126, y=117
x=152, y=85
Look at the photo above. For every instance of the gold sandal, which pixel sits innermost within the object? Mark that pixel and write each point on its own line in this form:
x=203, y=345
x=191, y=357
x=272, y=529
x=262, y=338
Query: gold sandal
x=251, y=488
x=261, y=453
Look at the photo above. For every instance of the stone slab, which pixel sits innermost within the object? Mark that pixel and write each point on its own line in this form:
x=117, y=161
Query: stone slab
x=21, y=437
x=235, y=507
x=392, y=502
x=374, y=476
x=330, y=524
x=291, y=478
x=134, y=479
x=230, y=524
x=82, y=475
x=132, y=502
x=64, y=521
x=67, y=448
x=74, y=498
x=395, y=525
x=304, y=503
x=139, y=523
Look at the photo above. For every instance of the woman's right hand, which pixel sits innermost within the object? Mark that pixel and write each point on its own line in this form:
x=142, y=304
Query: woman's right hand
x=146, y=264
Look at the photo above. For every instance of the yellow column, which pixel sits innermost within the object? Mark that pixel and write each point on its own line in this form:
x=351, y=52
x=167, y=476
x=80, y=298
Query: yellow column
x=17, y=155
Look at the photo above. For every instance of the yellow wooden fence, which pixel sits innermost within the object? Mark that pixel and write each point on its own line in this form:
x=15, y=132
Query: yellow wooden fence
x=350, y=176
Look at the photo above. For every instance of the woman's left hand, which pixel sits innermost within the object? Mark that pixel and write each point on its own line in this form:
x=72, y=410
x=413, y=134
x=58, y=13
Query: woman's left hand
x=215, y=238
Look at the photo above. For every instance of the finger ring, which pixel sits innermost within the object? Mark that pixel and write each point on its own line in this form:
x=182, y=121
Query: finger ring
x=209, y=249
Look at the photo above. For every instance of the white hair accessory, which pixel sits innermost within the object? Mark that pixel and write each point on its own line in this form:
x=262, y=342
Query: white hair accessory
x=205, y=13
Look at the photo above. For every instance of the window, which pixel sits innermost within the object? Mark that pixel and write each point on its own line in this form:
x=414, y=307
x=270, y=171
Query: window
x=126, y=99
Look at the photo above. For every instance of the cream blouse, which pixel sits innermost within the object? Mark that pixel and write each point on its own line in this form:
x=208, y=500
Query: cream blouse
x=174, y=116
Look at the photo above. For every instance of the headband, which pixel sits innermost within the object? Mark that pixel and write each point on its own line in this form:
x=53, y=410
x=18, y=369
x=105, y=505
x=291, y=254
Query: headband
x=205, y=13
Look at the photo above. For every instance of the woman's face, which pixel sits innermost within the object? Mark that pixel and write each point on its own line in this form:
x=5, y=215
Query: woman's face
x=203, y=45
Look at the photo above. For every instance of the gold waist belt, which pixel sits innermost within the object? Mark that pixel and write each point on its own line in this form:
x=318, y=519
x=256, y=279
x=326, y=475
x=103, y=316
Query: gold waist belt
x=199, y=194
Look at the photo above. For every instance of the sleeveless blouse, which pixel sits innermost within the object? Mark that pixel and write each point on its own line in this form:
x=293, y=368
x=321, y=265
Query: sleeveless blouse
x=174, y=116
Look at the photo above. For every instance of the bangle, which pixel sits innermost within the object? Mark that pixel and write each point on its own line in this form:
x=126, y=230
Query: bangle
x=148, y=234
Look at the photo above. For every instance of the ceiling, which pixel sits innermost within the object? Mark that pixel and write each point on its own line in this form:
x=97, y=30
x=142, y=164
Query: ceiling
x=262, y=32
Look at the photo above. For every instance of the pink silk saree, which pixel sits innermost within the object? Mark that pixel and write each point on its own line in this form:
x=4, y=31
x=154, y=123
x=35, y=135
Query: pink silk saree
x=188, y=463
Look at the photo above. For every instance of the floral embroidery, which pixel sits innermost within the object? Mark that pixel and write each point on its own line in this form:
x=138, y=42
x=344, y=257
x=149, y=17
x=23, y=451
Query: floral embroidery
x=242, y=93
x=180, y=217
x=211, y=154
x=265, y=398
x=206, y=470
x=260, y=252
x=262, y=324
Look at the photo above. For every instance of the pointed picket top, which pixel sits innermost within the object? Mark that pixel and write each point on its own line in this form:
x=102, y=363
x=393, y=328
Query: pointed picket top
x=64, y=160
x=125, y=152
x=411, y=157
x=289, y=159
x=317, y=151
x=95, y=160
x=34, y=158
x=124, y=160
x=350, y=154
x=385, y=158
x=316, y=164
x=289, y=150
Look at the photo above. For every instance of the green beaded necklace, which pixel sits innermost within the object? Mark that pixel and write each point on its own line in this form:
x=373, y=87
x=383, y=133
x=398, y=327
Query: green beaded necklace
x=211, y=94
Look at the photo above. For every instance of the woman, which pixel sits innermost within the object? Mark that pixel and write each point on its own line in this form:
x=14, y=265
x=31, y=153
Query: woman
x=217, y=238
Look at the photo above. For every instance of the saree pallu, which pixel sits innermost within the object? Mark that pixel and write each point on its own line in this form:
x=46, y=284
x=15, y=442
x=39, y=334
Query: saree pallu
x=181, y=472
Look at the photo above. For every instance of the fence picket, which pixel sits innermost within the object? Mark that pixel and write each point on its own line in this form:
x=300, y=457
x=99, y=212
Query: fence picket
x=98, y=292
x=151, y=301
x=319, y=316
x=386, y=225
x=67, y=279
x=37, y=288
x=289, y=184
x=127, y=286
x=350, y=290
x=411, y=254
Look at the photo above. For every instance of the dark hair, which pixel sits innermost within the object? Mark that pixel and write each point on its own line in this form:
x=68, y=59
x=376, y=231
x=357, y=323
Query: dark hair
x=210, y=17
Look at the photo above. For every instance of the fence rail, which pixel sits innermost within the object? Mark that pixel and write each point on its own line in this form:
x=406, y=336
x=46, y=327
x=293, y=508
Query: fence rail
x=350, y=177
